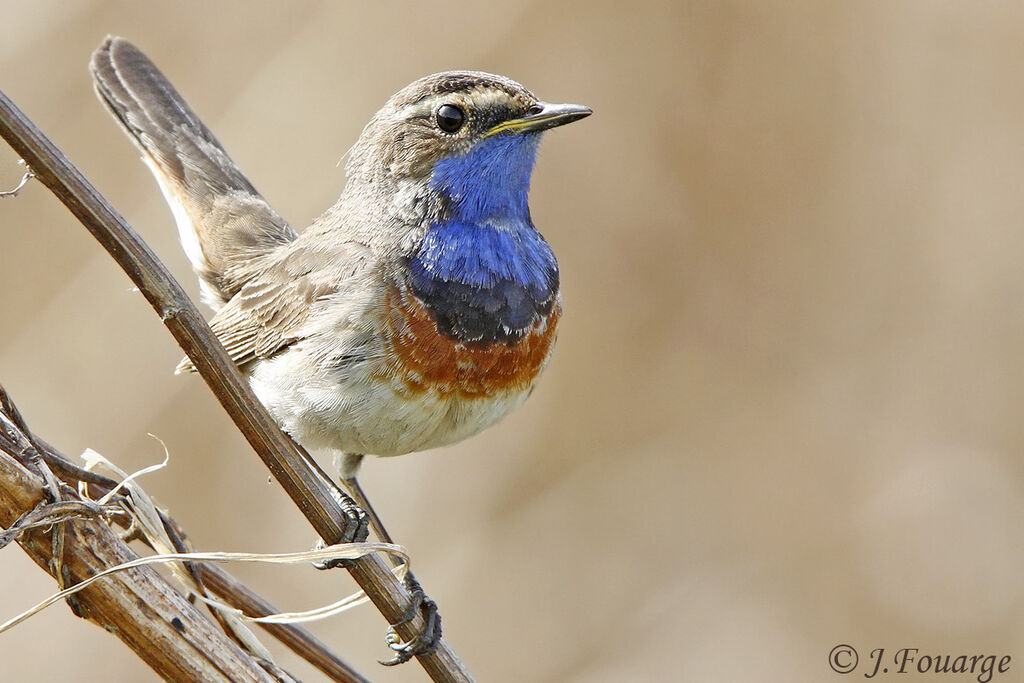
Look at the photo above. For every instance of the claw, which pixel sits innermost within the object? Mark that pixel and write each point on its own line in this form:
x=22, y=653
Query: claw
x=356, y=530
x=329, y=564
x=357, y=526
x=427, y=639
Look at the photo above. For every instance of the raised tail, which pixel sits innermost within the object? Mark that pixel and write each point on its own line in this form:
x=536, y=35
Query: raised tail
x=222, y=220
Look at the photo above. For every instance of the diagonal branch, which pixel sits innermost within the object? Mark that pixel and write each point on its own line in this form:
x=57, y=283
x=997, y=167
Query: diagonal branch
x=318, y=499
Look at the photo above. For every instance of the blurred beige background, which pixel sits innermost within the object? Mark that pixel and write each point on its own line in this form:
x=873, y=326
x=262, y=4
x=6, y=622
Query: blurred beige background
x=785, y=407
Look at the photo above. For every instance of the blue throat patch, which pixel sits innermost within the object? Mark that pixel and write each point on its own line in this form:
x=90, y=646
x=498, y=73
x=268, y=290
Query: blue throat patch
x=485, y=272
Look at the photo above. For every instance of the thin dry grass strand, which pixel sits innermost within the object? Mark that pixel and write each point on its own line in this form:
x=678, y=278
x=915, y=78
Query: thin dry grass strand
x=341, y=551
x=28, y=175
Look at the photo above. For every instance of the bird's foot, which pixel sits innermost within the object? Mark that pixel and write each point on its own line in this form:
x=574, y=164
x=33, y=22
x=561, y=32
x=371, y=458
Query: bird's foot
x=355, y=529
x=425, y=642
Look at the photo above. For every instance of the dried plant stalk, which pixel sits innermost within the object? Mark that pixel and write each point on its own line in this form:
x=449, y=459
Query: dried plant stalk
x=137, y=605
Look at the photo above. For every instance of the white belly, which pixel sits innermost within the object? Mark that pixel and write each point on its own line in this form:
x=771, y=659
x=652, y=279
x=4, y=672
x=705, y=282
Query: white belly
x=350, y=410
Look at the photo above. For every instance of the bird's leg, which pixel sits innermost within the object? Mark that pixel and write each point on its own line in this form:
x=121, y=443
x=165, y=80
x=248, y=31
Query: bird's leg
x=355, y=529
x=356, y=519
x=348, y=478
x=425, y=642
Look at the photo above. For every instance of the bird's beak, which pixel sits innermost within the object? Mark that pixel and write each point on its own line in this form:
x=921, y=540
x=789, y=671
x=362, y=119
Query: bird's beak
x=541, y=117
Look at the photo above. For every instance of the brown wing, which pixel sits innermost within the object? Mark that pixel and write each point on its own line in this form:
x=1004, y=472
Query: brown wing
x=273, y=311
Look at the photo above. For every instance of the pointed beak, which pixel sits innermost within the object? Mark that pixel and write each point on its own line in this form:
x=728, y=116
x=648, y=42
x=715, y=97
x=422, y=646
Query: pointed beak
x=542, y=116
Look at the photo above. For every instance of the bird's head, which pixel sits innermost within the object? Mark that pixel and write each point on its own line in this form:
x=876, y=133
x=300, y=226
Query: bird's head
x=461, y=143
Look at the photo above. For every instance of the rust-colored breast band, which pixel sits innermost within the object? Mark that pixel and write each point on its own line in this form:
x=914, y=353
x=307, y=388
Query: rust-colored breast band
x=423, y=359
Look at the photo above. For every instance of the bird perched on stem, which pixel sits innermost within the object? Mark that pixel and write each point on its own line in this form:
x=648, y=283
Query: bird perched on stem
x=416, y=311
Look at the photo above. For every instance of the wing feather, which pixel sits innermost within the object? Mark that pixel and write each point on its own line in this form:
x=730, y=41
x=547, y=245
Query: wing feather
x=278, y=306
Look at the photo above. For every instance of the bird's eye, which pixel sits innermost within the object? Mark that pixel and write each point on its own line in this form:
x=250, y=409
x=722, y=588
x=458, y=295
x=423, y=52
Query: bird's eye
x=450, y=118
x=535, y=110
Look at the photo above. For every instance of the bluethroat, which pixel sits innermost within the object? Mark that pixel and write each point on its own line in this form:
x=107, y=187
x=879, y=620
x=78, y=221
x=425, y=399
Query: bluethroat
x=417, y=310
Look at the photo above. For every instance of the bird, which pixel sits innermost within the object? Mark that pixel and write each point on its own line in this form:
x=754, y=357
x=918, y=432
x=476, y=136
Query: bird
x=419, y=309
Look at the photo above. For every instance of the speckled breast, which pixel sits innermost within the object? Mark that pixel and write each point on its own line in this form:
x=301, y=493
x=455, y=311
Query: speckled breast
x=422, y=359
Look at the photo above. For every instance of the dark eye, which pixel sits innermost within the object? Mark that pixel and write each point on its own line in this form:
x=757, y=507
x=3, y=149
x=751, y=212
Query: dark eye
x=535, y=110
x=450, y=118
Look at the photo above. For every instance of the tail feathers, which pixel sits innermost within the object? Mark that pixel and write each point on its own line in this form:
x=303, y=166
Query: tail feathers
x=222, y=220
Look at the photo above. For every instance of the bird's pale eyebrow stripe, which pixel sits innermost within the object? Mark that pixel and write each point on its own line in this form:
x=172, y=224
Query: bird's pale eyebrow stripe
x=480, y=95
x=490, y=96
